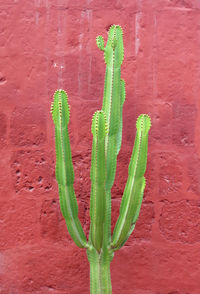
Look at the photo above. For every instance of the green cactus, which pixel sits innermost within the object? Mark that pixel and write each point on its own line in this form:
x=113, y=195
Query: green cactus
x=107, y=137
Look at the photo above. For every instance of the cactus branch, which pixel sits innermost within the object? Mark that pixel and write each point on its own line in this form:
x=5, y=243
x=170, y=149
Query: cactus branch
x=133, y=193
x=64, y=168
x=97, y=175
x=114, y=96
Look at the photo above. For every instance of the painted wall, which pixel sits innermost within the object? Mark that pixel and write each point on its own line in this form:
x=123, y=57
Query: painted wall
x=49, y=44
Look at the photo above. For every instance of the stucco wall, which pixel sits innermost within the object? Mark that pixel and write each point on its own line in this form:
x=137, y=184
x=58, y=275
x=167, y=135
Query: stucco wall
x=49, y=44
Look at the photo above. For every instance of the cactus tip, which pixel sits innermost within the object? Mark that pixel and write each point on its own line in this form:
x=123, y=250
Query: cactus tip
x=98, y=118
x=60, y=103
x=143, y=122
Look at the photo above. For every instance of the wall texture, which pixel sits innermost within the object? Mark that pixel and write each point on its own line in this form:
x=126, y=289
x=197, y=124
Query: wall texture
x=49, y=44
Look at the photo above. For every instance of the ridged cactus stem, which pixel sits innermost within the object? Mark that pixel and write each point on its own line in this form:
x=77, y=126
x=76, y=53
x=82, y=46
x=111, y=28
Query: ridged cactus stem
x=107, y=137
x=100, y=279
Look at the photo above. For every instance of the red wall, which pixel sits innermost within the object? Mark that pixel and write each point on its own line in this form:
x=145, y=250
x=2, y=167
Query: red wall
x=49, y=44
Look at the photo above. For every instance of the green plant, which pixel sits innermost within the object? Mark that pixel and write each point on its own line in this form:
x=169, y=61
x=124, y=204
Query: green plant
x=107, y=137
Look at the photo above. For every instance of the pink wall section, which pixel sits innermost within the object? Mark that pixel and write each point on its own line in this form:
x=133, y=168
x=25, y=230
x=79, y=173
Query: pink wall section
x=49, y=44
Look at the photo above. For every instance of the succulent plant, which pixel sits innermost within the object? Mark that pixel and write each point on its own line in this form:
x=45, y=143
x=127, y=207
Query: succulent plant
x=107, y=137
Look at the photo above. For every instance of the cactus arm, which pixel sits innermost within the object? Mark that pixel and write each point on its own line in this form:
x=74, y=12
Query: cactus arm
x=98, y=177
x=100, y=42
x=133, y=193
x=112, y=106
x=112, y=101
x=64, y=168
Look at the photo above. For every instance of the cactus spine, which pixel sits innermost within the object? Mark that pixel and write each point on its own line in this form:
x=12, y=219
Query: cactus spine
x=107, y=135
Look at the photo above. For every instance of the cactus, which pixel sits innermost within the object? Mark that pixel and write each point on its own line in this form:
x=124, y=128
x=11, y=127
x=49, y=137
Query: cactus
x=107, y=136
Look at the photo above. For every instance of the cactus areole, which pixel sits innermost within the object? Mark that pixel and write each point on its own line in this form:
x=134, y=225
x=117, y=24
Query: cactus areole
x=107, y=136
